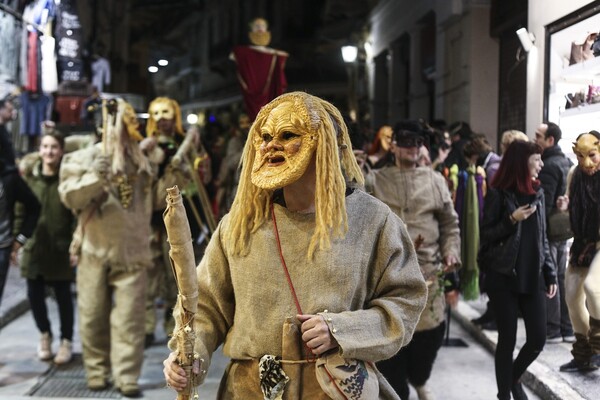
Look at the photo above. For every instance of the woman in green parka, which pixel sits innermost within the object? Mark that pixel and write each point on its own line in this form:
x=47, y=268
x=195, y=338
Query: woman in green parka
x=45, y=259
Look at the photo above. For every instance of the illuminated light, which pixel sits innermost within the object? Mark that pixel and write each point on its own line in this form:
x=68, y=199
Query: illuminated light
x=163, y=63
x=153, y=69
x=349, y=53
x=192, y=119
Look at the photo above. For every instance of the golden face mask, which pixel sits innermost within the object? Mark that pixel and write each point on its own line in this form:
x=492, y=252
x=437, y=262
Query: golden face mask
x=166, y=110
x=161, y=109
x=587, y=150
x=259, y=32
x=386, y=137
x=284, y=146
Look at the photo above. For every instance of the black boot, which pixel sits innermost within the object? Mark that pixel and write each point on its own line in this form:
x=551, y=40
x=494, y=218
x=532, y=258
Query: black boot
x=518, y=392
x=486, y=318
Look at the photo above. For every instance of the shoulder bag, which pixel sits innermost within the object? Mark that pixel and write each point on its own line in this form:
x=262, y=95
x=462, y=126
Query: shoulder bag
x=559, y=226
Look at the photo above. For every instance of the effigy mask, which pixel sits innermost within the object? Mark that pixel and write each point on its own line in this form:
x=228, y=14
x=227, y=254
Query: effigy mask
x=160, y=109
x=284, y=142
x=587, y=150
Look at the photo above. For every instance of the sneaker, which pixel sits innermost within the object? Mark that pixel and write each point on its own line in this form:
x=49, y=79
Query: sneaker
x=64, y=353
x=575, y=366
x=45, y=347
x=130, y=390
x=424, y=393
x=554, y=339
x=569, y=339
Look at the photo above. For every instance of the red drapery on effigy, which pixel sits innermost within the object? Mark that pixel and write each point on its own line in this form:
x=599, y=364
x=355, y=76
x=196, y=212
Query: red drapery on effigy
x=261, y=76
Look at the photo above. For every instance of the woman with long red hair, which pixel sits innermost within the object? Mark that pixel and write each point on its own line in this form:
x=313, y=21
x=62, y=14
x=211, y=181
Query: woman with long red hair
x=519, y=270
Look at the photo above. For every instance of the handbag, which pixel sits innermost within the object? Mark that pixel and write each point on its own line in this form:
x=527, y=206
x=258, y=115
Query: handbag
x=340, y=378
x=582, y=51
x=559, y=226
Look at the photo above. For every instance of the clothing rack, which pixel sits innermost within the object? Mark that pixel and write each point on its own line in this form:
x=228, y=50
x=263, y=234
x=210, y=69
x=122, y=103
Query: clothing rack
x=19, y=16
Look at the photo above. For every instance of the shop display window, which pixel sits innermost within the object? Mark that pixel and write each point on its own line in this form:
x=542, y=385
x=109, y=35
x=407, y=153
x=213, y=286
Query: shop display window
x=573, y=75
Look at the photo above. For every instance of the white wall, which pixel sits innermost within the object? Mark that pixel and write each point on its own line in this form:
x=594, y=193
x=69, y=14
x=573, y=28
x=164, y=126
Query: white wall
x=542, y=13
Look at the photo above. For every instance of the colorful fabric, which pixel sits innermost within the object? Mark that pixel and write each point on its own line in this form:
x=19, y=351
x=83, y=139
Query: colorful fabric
x=470, y=235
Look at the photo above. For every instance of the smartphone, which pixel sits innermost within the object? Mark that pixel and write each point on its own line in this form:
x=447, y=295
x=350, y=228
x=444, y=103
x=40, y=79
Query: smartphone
x=534, y=203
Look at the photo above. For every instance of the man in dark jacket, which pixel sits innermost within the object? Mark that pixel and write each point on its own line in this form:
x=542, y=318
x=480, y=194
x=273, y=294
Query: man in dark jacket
x=553, y=178
x=7, y=152
x=13, y=189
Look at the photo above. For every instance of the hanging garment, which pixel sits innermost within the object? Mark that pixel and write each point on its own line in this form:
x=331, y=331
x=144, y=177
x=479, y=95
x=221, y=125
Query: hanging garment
x=69, y=109
x=48, y=65
x=34, y=109
x=101, y=73
x=472, y=185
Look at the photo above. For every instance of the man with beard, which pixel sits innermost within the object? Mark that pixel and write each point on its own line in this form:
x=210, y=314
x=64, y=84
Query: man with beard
x=298, y=212
x=582, y=279
x=109, y=187
x=260, y=68
x=553, y=178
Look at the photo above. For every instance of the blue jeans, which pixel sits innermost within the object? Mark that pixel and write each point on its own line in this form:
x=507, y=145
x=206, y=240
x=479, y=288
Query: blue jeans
x=4, y=264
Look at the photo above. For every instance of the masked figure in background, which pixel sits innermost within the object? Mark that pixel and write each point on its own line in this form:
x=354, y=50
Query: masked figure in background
x=420, y=196
x=349, y=257
x=582, y=278
x=109, y=187
x=164, y=130
x=260, y=69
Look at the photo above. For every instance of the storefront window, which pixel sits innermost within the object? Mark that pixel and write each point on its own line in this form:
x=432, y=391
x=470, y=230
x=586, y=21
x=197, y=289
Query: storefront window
x=573, y=90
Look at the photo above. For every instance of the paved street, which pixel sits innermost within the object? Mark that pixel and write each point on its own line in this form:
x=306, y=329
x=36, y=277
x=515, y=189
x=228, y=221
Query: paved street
x=460, y=373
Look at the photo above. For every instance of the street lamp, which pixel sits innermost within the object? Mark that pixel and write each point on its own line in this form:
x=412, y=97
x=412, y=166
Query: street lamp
x=349, y=53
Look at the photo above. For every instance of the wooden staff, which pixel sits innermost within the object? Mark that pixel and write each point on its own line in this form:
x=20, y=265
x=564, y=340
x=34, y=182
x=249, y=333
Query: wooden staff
x=184, y=268
x=182, y=156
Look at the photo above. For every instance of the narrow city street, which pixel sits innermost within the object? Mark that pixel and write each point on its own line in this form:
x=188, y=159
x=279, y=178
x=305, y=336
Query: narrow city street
x=460, y=373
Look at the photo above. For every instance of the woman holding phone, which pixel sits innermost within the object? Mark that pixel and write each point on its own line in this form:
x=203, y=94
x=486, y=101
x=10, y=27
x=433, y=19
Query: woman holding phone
x=519, y=270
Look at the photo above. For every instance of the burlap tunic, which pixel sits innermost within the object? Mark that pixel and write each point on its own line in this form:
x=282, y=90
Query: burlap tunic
x=420, y=196
x=369, y=282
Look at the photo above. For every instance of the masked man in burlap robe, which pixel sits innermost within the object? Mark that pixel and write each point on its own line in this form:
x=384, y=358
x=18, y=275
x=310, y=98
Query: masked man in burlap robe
x=109, y=187
x=350, y=260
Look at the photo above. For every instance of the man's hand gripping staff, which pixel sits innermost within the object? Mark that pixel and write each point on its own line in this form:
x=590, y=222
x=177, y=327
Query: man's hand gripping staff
x=184, y=269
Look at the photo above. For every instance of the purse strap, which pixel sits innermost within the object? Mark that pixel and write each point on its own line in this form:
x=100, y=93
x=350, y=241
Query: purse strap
x=285, y=268
x=309, y=355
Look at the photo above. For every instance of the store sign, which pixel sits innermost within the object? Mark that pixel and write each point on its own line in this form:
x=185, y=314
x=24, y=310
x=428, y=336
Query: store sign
x=69, y=39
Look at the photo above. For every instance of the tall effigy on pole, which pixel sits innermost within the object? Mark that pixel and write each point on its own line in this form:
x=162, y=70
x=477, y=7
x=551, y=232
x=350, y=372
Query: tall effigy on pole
x=260, y=69
x=184, y=268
